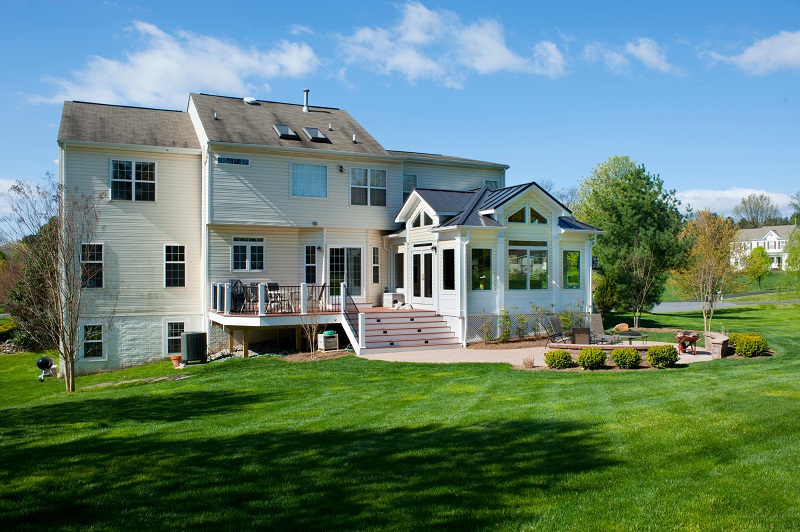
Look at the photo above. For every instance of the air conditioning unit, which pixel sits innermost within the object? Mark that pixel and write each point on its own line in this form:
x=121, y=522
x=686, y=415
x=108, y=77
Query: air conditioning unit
x=328, y=342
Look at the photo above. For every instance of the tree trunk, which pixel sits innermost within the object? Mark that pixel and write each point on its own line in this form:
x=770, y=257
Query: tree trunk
x=636, y=319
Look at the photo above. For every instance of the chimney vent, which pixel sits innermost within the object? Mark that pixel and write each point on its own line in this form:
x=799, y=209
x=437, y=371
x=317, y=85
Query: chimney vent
x=354, y=139
x=305, y=100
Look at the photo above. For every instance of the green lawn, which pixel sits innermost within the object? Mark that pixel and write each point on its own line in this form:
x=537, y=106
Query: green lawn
x=356, y=444
x=776, y=283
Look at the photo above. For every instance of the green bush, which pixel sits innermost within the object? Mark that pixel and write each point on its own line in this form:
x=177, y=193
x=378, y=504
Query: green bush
x=7, y=330
x=751, y=345
x=558, y=359
x=734, y=337
x=591, y=358
x=662, y=356
x=626, y=357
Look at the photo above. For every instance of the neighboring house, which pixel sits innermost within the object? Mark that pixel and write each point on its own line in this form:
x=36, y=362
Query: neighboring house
x=772, y=238
x=237, y=217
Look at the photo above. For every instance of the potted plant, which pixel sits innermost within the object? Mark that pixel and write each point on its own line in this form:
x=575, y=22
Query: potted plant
x=176, y=360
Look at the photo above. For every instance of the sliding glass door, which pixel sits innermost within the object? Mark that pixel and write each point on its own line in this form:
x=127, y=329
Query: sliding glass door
x=345, y=267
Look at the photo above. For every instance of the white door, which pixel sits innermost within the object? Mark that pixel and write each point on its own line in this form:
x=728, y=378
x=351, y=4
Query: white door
x=422, y=277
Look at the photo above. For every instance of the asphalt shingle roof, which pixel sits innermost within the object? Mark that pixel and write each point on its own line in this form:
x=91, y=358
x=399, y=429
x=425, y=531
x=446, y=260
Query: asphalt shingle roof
x=783, y=231
x=439, y=157
x=119, y=124
x=242, y=123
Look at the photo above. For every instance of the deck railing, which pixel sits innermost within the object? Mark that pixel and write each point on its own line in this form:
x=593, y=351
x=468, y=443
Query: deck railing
x=262, y=299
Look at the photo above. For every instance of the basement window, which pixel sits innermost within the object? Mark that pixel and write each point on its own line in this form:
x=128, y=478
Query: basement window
x=315, y=135
x=285, y=132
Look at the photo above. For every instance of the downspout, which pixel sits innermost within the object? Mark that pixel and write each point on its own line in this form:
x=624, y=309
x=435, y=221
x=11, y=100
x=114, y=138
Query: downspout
x=205, y=217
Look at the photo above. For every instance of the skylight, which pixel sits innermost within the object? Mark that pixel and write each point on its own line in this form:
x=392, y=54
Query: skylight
x=315, y=135
x=285, y=132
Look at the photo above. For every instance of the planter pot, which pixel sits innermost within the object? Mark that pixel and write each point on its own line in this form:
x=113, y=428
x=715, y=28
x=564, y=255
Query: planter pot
x=176, y=360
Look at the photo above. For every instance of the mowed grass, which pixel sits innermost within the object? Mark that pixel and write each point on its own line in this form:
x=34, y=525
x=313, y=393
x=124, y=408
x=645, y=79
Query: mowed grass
x=355, y=444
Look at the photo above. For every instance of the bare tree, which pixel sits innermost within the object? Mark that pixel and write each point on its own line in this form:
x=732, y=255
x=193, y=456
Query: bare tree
x=50, y=226
x=642, y=272
x=310, y=321
x=709, y=271
x=757, y=210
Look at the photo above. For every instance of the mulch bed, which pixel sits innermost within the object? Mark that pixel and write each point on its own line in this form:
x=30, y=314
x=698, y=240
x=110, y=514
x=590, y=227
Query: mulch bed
x=510, y=344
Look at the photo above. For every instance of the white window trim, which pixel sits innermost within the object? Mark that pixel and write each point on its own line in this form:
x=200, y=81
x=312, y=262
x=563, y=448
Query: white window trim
x=249, y=245
x=165, y=330
x=102, y=263
x=363, y=249
x=103, y=341
x=327, y=181
x=174, y=262
x=376, y=265
x=369, y=186
x=582, y=281
x=455, y=268
x=492, y=267
x=546, y=286
x=306, y=264
x=219, y=156
x=133, y=180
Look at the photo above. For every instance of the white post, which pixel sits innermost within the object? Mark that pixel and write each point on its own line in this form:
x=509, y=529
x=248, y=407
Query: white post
x=213, y=296
x=228, y=303
x=362, y=322
x=262, y=299
x=303, y=298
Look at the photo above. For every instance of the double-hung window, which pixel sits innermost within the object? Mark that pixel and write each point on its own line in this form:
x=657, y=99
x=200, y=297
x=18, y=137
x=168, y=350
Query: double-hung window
x=174, y=330
x=247, y=254
x=376, y=268
x=311, y=264
x=174, y=266
x=92, y=265
x=92, y=341
x=409, y=184
x=309, y=180
x=527, y=265
x=133, y=180
x=368, y=187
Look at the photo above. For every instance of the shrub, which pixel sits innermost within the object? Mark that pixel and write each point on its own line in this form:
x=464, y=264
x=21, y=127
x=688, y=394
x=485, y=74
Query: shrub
x=7, y=330
x=751, y=345
x=558, y=359
x=527, y=362
x=662, y=356
x=626, y=357
x=604, y=298
x=505, y=325
x=591, y=358
x=734, y=337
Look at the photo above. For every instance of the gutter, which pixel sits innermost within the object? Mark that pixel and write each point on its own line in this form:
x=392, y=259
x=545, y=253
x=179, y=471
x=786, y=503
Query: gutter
x=130, y=147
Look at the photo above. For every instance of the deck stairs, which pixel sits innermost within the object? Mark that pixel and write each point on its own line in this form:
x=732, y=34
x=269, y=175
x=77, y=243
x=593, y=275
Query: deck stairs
x=407, y=330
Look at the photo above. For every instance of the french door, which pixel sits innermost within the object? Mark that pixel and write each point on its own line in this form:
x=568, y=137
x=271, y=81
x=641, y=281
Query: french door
x=345, y=266
x=422, y=277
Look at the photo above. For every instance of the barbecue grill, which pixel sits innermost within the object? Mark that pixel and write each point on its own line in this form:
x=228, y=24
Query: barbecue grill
x=48, y=367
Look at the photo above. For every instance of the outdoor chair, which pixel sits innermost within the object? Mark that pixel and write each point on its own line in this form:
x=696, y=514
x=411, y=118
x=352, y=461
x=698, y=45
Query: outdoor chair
x=237, y=295
x=581, y=335
x=598, y=332
x=556, y=333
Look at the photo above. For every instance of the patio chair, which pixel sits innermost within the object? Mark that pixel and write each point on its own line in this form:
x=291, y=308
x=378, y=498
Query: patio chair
x=581, y=335
x=598, y=332
x=556, y=333
x=237, y=295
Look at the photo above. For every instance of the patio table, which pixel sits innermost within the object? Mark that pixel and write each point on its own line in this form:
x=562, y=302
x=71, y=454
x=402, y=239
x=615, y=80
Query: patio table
x=633, y=335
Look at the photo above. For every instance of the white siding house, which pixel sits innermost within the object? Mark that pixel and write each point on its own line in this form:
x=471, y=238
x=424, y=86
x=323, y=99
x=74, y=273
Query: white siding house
x=238, y=216
x=772, y=238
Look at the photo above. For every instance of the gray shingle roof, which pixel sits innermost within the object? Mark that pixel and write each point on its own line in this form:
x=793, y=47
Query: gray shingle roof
x=119, y=124
x=783, y=231
x=242, y=123
x=439, y=157
x=573, y=224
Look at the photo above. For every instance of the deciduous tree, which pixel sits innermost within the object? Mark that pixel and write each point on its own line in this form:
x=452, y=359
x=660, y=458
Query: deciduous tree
x=49, y=225
x=757, y=210
x=641, y=223
x=758, y=265
x=708, y=271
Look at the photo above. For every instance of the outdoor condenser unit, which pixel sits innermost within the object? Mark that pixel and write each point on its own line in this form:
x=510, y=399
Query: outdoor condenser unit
x=193, y=347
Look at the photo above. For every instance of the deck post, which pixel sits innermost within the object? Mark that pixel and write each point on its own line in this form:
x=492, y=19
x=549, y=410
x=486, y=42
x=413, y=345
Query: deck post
x=231, y=341
x=303, y=298
x=262, y=299
x=245, y=344
x=362, y=327
x=228, y=303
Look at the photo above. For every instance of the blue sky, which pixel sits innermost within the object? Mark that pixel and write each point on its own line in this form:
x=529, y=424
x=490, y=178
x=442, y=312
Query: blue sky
x=705, y=94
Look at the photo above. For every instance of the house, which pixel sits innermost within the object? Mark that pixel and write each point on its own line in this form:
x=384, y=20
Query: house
x=240, y=218
x=772, y=238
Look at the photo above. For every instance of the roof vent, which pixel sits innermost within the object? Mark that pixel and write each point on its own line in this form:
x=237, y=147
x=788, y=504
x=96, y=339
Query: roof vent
x=249, y=100
x=305, y=100
x=354, y=139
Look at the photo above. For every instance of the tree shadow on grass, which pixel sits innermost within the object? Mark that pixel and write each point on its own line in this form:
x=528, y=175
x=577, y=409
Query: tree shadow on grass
x=462, y=476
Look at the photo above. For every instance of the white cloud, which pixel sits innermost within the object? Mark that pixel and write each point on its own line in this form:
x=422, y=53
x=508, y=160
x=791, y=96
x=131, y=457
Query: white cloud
x=781, y=51
x=723, y=201
x=435, y=44
x=651, y=54
x=299, y=29
x=168, y=67
x=5, y=185
x=614, y=61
